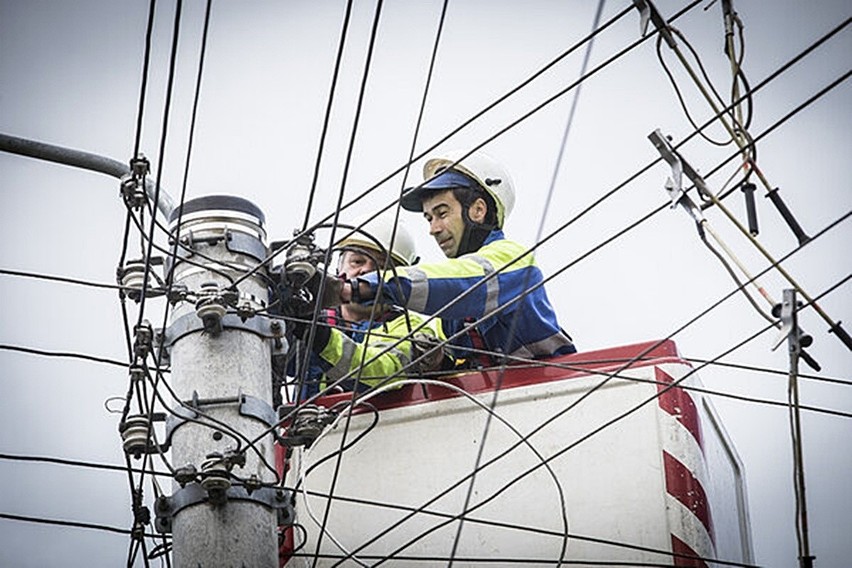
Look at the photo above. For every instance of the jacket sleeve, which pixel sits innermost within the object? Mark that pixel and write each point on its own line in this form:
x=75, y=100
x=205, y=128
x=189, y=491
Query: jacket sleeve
x=459, y=287
x=383, y=353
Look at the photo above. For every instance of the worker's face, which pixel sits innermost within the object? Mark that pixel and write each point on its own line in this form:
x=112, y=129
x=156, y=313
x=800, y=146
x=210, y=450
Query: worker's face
x=354, y=263
x=444, y=213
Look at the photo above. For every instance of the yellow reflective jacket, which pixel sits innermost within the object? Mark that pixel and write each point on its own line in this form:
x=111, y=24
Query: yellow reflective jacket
x=380, y=352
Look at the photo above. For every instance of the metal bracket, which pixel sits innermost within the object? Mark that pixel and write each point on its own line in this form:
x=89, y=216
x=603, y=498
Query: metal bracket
x=250, y=406
x=276, y=499
x=235, y=241
x=674, y=184
x=789, y=321
x=649, y=13
x=191, y=323
x=787, y=312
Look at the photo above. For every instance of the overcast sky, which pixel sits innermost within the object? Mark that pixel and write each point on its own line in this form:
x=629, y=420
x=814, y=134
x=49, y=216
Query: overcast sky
x=70, y=75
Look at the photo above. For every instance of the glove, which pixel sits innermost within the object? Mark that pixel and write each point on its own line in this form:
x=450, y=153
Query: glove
x=421, y=344
x=300, y=329
x=330, y=291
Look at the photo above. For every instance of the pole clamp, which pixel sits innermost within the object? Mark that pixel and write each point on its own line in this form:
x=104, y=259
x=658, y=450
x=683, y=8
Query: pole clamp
x=250, y=406
x=274, y=498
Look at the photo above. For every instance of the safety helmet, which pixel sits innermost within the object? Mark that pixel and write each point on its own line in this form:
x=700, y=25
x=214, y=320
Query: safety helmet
x=485, y=170
x=402, y=252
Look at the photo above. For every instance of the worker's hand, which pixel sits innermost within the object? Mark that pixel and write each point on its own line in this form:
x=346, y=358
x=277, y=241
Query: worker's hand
x=427, y=347
x=331, y=289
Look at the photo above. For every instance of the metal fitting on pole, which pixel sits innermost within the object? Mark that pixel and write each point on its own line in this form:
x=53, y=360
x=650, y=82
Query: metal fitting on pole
x=214, y=522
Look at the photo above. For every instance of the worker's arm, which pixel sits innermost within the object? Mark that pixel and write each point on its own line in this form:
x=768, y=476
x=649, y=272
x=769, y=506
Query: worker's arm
x=428, y=288
x=383, y=354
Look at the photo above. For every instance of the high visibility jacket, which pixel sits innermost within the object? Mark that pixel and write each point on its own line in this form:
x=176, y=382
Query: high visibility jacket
x=382, y=351
x=439, y=288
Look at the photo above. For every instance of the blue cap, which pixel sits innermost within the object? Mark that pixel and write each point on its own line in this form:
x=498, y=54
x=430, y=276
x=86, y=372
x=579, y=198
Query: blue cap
x=448, y=179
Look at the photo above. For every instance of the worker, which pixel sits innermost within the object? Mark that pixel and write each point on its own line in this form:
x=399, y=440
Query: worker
x=373, y=337
x=466, y=203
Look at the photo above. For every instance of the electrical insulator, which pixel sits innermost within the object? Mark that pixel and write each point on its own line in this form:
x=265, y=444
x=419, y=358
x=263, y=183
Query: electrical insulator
x=133, y=278
x=308, y=424
x=210, y=307
x=135, y=432
x=215, y=478
x=300, y=265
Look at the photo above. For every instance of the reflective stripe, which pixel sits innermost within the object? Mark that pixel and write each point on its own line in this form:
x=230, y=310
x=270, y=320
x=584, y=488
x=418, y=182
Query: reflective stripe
x=392, y=350
x=341, y=369
x=419, y=289
x=546, y=346
x=492, y=286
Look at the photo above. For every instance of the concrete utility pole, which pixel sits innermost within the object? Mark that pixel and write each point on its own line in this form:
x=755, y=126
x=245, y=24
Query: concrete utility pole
x=219, y=514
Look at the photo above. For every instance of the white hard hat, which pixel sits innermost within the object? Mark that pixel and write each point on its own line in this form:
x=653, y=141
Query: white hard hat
x=482, y=168
x=380, y=229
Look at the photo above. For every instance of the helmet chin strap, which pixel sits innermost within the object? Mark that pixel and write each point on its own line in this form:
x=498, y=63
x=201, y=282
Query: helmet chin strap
x=474, y=234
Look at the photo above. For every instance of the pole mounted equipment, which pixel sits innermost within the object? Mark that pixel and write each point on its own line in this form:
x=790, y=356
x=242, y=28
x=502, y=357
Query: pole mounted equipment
x=737, y=131
x=221, y=361
x=668, y=152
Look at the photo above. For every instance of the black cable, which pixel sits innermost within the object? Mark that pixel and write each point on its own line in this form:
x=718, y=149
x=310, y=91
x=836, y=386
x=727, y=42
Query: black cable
x=729, y=269
x=508, y=561
x=348, y=161
x=514, y=322
x=525, y=529
x=84, y=357
x=352, y=443
x=144, y=86
x=79, y=463
x=793, y=112
x=64, y=523
x=768, y=371
x=52, y=278
x=390, y=245
x=677, y=89
x=327, y=119
x=162, y=151
x=218, y=271
x=180, y=210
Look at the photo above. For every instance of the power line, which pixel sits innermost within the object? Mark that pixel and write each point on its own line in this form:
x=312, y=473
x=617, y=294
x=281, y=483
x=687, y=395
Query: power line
x=327, y=118
x=347, y=163
x=64, y=523
x=516, y=315
x=64, y=279
x=80, y=463
x=67, y=354
x=767, y=370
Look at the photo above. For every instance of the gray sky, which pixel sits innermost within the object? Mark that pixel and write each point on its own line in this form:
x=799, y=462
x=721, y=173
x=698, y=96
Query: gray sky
x=70, y=75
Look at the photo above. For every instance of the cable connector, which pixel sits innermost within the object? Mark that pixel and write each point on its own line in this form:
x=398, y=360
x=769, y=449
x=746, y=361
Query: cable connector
x=131, y=191
x=140, y=166
x=144, y=339
x=787, y=311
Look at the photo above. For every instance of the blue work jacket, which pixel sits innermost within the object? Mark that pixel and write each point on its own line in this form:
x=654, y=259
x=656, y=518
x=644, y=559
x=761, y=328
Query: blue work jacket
x=459, y=290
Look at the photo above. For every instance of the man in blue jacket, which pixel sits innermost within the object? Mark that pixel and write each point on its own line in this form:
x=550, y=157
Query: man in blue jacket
x=486, y=275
